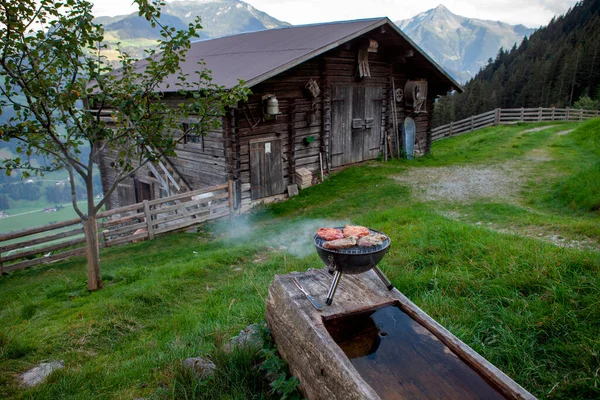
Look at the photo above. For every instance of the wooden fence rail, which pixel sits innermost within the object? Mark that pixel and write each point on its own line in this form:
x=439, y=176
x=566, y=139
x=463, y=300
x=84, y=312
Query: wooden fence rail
x=140, y=221
x=509, y=116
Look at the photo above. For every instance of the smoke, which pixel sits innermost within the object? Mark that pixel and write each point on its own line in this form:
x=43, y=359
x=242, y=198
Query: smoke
x=293, y=237
x=296, y=238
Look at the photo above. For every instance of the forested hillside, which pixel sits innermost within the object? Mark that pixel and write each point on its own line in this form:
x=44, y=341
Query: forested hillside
x=557, y=66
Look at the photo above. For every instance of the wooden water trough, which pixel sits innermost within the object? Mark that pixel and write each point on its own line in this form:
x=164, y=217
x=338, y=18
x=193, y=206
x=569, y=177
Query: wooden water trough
x=374, y=344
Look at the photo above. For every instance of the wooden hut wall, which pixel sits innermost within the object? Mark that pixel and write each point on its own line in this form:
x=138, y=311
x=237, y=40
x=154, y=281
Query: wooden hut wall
x=302, y=117
x=340, y=69
x=125, y=194
x=402, y=73
x=203, y=163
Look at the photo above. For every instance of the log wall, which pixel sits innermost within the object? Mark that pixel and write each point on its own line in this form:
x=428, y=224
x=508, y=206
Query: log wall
x=303, y=118
x=303, y=129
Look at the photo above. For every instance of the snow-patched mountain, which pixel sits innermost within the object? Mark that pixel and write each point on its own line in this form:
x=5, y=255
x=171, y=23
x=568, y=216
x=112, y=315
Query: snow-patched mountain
x=461, y=45
x=219, y=18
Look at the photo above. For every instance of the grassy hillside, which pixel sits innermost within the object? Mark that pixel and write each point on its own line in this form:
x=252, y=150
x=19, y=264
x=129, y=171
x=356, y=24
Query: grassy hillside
x=510, y=269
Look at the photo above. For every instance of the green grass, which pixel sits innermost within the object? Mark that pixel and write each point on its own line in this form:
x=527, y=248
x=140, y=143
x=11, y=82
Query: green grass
x=528, y=306
x=38, y=218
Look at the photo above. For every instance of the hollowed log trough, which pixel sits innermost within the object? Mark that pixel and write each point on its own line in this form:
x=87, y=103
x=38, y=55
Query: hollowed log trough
x=374, y=344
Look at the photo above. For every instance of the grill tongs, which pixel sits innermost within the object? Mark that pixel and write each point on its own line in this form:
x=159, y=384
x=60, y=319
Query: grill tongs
x=316, y=304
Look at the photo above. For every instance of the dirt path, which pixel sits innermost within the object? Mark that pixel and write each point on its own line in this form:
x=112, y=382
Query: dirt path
x=466, y=184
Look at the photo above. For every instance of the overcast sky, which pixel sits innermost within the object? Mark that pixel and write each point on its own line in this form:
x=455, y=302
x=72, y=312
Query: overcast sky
x=531, y=13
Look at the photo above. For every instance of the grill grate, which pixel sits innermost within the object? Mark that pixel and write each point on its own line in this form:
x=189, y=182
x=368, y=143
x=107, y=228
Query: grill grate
x=354, y=249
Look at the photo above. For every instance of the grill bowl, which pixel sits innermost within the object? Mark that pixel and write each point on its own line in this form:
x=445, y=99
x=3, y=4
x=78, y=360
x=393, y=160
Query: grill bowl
x=353, y=260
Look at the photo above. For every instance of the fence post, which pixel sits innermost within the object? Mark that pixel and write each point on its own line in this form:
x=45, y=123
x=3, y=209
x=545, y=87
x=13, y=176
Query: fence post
x=230, y=190
x=567, y=116
x=522, y=113
x=540, y=114
x=450, y=133
x=553, y=109
x=148, y=220
x=471, y=124
x=581, y=114
x=497, y=117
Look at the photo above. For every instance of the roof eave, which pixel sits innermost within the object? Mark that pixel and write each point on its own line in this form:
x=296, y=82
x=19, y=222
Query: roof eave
x=457, y=86
x=261, y=78
x=376, y=23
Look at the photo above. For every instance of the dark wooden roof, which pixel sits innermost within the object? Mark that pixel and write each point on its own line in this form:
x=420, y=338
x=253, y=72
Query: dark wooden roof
x=257, y=56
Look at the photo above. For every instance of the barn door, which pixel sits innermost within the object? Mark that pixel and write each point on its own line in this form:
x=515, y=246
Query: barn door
x=266, y=168
x=355, y=124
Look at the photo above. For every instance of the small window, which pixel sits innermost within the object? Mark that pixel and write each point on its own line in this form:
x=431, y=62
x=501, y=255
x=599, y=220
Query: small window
x=191, y=136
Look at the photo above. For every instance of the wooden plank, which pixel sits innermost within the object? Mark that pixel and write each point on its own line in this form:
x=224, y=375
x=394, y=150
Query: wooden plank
x=187, y=194
x=119, y=210
x=148, y=217
x=230, y=195
x=125, y=229
x=189, y=214
x=43, y=250
x=191, y=222
x=186, y=205
x=47, y=238
x=122, y=220
x=45, y=260
x=39, y=229
x=126, y=239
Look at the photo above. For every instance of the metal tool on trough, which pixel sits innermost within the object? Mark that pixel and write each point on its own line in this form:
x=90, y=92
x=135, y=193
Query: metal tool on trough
x=352, y=260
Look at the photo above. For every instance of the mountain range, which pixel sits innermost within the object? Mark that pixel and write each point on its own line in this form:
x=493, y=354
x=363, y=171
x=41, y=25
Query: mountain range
x=461, y=45
x=218, y=18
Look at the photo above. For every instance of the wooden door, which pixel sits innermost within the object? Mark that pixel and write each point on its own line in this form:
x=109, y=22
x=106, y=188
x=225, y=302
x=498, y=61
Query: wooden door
x=143, y=191
x=372, y=117
x=266, y=168
x=341, y=118
x=355, y=124
x=408, y=137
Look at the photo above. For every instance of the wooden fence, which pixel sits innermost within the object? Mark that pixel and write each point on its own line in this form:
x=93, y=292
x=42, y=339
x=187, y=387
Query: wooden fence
x=510, y=116
x=61, y=240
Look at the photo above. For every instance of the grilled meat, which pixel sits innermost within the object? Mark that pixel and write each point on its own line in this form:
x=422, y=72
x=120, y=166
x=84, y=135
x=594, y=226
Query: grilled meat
x=355, y=230
x=330, y=233
x=339, y=244
x=374, y=239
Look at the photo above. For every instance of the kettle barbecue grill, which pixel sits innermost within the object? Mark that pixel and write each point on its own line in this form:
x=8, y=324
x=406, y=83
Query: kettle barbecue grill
x=353, y=260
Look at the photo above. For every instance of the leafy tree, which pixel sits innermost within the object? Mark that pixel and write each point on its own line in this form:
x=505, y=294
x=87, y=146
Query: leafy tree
x=60, y=89
x=555, y=66
x=586, y=103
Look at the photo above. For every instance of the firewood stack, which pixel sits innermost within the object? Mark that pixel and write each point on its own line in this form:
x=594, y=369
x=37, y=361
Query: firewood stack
x=303, y=178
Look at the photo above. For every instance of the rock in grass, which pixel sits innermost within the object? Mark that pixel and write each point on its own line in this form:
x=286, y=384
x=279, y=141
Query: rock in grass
x=38, y=374
x=248, y=337
x=202, y=368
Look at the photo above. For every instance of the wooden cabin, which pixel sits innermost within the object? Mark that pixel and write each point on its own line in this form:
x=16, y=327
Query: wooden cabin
x=324, y=96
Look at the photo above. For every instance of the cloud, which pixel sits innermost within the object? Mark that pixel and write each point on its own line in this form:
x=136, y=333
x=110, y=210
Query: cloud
x=532, y=13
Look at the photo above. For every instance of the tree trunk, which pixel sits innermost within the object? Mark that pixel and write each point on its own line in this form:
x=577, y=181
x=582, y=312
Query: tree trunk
x=93, y=253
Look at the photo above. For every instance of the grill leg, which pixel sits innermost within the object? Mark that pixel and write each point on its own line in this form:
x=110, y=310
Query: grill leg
x=333, y=287
x=384, y=278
